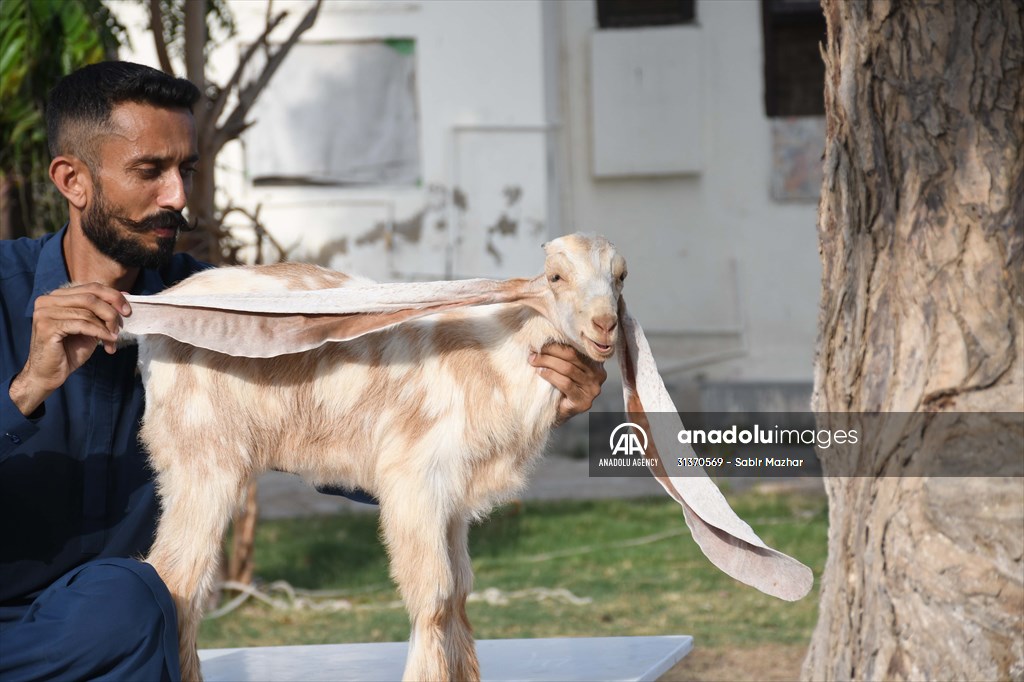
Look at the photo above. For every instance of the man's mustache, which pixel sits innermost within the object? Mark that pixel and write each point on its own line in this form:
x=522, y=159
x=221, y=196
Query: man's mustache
x=164, y=220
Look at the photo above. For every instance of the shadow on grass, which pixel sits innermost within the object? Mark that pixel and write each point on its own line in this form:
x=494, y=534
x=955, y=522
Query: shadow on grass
x=321, y=552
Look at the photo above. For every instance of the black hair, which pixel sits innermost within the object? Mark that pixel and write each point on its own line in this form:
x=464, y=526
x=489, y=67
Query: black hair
x=80, y=105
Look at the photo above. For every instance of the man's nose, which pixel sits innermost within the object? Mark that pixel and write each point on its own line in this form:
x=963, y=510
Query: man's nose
x=174, y=192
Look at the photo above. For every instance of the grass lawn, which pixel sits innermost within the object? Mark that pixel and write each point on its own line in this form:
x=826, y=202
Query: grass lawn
x=632, y=560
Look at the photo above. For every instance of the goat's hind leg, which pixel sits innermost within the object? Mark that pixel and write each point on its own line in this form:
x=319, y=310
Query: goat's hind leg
x=458, y=633
x=196, y=500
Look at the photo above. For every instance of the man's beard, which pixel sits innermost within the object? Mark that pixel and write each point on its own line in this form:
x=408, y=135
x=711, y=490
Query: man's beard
x=125, y=246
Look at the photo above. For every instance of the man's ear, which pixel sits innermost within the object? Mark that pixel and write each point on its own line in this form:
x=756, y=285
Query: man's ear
x=73, y=179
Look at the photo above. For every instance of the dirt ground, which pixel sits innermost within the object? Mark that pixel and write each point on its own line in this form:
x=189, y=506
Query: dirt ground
x=760, y=663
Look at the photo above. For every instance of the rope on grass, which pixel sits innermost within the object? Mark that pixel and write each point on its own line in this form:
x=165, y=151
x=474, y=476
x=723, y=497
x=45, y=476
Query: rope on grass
x=495, y=597
x=295, y=599
x=588, y=549
x=635, y=542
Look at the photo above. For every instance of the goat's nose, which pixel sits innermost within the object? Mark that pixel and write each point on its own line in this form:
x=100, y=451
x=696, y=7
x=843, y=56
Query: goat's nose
x=605, y=323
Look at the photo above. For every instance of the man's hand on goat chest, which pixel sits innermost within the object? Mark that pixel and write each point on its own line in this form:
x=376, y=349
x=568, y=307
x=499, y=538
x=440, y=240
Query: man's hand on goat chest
x=577, y=377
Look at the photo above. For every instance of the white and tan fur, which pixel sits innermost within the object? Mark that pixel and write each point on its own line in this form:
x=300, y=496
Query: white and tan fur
x=439, y=418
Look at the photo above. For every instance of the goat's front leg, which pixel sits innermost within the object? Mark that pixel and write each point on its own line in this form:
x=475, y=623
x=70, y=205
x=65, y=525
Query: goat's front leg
x=417, y=535
x=196, y=504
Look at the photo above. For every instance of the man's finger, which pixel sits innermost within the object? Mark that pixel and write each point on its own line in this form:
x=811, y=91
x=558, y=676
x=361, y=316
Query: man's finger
x=81, y=326
x=110, y=323
x=556, y=365
x=563, y=383
x=111, y=296
x=85, y=302
x=565, y=352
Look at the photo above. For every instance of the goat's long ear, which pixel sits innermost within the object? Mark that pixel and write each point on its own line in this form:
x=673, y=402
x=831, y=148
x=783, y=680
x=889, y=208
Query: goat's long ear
x=726, y=540
x=265, y=325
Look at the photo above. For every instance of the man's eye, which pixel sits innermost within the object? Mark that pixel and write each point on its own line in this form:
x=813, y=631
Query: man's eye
x=149, y=173
x=189, y=171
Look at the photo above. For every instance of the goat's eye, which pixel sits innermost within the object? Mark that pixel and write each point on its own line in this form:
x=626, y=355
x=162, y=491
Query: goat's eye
x=556, y=278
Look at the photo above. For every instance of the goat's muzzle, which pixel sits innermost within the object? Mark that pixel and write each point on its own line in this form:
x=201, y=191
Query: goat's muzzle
x=601, y=336
x=605, y=324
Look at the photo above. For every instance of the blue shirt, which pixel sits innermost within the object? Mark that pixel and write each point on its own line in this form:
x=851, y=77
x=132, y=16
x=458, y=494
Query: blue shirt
x=74, y=480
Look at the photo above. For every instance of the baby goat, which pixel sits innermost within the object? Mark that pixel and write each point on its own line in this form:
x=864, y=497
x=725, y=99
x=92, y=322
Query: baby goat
x=440, y=418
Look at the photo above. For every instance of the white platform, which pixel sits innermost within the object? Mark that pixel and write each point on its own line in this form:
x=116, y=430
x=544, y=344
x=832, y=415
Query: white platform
x=582, y=659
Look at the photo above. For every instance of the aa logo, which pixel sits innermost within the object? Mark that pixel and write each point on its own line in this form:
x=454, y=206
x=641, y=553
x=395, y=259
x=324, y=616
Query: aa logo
x=628, y=439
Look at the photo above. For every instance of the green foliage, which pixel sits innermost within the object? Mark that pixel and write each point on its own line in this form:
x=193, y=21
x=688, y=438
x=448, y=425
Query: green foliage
x=41, y=41
x=633, y=558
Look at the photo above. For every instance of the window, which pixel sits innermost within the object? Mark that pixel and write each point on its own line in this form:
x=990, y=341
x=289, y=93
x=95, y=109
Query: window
x=637, y=13
x=794, y=74
x=338, y=113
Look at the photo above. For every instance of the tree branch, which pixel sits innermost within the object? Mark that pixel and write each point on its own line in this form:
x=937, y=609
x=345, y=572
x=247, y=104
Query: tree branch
x=156, y=26
x=260, y=228
x=225, y=92
x=248, y=95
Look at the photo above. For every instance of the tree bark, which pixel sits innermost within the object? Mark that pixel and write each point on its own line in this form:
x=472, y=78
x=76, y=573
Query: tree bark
x=243, y=539
x=204, y=242
x=921, y=235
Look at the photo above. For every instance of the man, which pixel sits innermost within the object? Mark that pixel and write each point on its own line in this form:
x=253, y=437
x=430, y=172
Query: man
x=77, y=504
x=76, y=501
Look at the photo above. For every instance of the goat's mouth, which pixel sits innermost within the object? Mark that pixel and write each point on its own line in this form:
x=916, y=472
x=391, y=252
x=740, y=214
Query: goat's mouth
x=601, y=351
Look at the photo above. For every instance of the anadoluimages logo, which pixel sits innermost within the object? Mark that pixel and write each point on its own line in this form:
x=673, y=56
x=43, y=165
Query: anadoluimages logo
x=626, y=442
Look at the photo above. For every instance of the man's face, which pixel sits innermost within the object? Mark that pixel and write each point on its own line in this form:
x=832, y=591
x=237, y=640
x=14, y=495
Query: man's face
x=141, y=182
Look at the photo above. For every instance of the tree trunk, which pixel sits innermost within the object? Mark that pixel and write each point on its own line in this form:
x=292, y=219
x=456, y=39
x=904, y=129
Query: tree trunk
x=922, y=240
x=243, y=539
x=204, y=242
